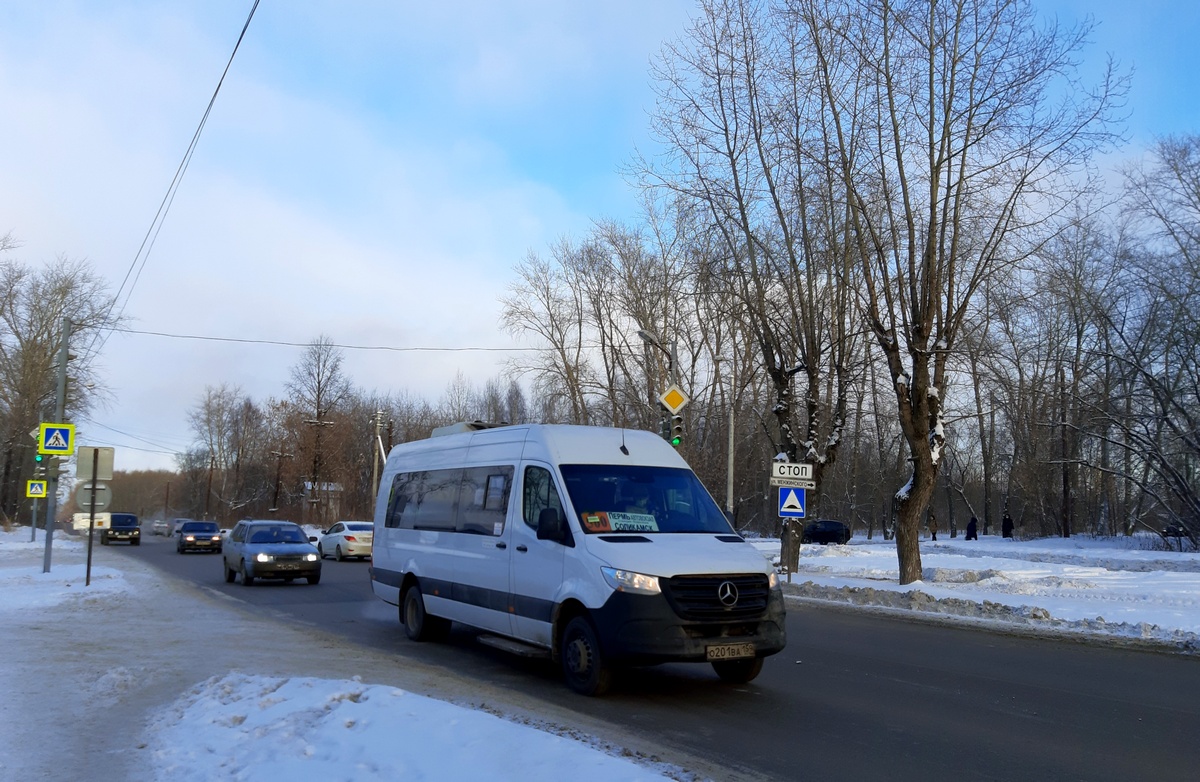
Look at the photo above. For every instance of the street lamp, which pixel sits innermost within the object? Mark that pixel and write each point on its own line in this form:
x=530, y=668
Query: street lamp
x=729, y=455
x=650, y=338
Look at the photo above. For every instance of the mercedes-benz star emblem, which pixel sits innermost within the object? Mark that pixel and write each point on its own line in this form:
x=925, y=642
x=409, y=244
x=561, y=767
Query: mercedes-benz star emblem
x=727, y=593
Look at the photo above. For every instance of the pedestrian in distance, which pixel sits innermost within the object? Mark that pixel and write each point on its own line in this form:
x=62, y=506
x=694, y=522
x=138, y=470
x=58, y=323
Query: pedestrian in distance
x=1006, y=525
x=932, y=526
x=972, y=529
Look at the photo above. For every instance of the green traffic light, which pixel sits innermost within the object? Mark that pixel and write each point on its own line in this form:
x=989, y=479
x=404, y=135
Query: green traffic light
x=676, y=441
x=37, y=457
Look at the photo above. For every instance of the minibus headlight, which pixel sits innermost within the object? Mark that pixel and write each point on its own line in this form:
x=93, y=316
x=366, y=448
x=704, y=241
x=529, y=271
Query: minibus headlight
x=773, y=580
x=628, y=581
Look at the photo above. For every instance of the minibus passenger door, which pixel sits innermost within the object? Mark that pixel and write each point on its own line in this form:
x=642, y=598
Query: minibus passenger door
x=536, y=572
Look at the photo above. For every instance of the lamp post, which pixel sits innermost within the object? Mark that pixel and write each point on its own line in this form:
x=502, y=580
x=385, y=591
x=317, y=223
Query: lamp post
x=650, y=338
x=729, y=455
x=59, y=414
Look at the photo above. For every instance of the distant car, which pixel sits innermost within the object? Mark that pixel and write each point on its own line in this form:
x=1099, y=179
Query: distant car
x=825, y=531
x=347, y=539
x=198, y=536
x=270, y=549
x=122, y=527
x=1174, y=530
x=175, y=524
x=160, y=527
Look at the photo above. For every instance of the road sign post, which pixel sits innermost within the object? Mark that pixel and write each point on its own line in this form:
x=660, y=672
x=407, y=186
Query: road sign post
x=92, y=515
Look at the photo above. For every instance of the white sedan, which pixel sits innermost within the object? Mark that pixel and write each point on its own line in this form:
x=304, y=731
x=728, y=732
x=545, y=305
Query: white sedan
x=347, y=539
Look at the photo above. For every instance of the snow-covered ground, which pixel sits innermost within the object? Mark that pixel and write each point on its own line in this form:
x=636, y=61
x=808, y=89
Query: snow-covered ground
x=1116, y=588
x=201, y=692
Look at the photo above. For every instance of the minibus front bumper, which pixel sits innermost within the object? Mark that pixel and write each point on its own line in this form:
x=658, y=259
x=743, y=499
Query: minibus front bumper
x=642, y=629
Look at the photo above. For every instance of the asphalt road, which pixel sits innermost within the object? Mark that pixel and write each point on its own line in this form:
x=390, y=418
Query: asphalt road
x=853, y=696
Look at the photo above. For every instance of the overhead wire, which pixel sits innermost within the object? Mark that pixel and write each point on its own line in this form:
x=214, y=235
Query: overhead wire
x=285, y=343
x=164, y=207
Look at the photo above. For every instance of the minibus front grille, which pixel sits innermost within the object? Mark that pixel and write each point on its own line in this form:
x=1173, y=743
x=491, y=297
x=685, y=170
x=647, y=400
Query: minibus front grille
x=710, y=598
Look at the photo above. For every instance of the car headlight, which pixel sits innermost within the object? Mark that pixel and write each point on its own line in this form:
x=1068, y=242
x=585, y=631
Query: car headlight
x=190, y=538
x=216, y=537
x=773, y=580
x=263, y=558
x=628, y=581
x=311, y=557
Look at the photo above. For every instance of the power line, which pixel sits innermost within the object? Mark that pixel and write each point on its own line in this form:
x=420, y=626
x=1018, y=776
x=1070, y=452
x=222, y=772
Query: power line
x=386, y=348
x=143, y=253
x=94, y=422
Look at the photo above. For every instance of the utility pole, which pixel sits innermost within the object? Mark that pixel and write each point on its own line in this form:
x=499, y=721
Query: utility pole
x=60, y=412
x=376, y=447
x=212, y=463
x=318, y=489
x=279, y=457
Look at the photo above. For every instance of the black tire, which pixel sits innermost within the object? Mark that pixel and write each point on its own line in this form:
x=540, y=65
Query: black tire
x=103, y=540
x=314, y=580
x=320, y=551
x=136, y=542
x=418, y=625
x=230, y=573
x=584, y=667
x=738, y=671
x=337, y=553
x=247, y=579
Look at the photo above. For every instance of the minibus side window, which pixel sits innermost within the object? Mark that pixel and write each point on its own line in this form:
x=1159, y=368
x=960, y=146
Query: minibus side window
x=483, y=500
x=538, y=493
x=435, y=502
x=404, y=486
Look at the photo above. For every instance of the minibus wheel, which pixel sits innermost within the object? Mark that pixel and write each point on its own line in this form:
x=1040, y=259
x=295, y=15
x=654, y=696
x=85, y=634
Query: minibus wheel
x=584, y=667
x=418, y=625
x=738, y=671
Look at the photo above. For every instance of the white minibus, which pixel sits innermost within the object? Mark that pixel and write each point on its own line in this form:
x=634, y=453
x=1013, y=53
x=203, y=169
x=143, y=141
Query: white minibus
x=597, y=547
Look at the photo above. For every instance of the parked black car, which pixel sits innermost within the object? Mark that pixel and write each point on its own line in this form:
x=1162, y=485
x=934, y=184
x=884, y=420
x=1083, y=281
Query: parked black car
x=825, y=531
x=122, y=527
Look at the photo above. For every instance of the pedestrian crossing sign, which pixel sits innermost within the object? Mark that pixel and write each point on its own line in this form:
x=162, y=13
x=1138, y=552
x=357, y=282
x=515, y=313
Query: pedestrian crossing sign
x=36, y=489
x=791, y=502
x=56, y=439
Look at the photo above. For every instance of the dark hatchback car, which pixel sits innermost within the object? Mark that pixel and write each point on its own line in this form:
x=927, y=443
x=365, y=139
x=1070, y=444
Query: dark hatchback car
x=198, y=536
x=825, y=531
x=270, y=549
x=122, y=527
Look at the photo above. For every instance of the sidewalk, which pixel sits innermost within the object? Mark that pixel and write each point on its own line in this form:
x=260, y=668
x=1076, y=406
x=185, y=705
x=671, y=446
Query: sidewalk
x=87, y=669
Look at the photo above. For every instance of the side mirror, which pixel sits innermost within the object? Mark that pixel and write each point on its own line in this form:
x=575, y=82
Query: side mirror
x=312, y=539
x=552, y=526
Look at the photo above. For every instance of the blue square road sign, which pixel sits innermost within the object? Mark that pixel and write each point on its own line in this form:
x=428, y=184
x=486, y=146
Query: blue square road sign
x=56, y=439
x=792, y=502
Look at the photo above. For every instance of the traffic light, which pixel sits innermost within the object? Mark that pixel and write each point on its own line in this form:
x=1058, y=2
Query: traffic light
x=676, y=430
x=37, y=458
x=664, y=428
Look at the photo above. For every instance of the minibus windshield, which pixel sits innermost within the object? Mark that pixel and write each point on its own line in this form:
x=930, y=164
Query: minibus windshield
x=616, y=498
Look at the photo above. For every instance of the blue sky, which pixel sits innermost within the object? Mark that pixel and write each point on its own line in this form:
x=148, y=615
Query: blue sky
x=371, y=171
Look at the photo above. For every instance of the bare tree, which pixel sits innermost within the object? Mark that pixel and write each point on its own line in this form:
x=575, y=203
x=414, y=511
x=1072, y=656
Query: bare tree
x=318, y=385
x=33, y=304
x=954, y=153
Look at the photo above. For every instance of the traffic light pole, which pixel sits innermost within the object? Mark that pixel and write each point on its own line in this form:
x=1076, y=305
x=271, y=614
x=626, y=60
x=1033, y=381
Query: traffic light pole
x=59, y=413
